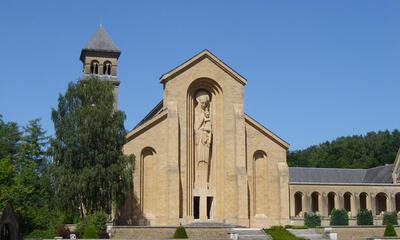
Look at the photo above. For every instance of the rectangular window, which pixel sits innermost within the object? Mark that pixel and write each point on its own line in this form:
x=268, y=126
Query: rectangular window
x=196, y=207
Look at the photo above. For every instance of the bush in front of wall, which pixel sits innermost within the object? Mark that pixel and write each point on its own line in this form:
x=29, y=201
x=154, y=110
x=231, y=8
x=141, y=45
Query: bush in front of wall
x=180, y=232
x=90, y=232
x=312, y=220
x=339, y=217
x=390, y=218
x=364, y=217
x=389, y=231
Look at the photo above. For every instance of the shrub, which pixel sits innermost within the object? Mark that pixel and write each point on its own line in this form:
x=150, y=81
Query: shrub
x=97, y=219
x=280, y=233
x=90, y=231
x=312, y=220
x=47, y=233
x=339, y=217
x=390, y=218
x=364, y=217
x=63, y=232
x=180, y=232
x=389, y=231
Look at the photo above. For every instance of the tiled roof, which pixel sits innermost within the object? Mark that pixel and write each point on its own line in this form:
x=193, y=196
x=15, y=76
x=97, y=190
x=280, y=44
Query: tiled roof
x=381, y=174
x=154, y=112
x=101, y=41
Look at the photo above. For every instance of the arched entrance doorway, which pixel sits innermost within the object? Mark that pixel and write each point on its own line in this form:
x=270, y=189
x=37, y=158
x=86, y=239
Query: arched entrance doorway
x=5, y=232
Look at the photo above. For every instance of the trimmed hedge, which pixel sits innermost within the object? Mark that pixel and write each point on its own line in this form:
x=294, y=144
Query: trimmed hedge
x=280, y=233
x=44, y=234
x=180, y=232
x=389, y=231
x=312, y=220
x=390, y=218
x=364, y=217
x=339, y=217
x=90, y=232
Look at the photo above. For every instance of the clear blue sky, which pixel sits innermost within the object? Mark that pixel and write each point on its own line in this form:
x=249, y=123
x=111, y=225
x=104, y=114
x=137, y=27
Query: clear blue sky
x=316, y=70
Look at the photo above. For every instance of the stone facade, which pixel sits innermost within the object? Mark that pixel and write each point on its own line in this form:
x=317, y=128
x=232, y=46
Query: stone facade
x=374, y=189
x=199, y=157
x=211, y=162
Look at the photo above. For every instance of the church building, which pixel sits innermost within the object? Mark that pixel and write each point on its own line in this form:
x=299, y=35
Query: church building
x=201, y=158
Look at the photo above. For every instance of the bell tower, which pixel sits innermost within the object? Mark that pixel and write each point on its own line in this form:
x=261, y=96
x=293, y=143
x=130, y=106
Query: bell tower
x=100, y=59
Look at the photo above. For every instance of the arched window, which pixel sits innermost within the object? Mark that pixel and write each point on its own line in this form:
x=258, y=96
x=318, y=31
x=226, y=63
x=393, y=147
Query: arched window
x=331, y=202
x=397, y=199
x=314, y=202
x=347, y=201
x=94, y=67
x=380, y=203
x=363, y=200
x=298, y=203
x=107, y=68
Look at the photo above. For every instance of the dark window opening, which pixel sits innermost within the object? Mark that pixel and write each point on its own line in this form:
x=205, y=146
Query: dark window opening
x=196, y=207
x=397, y=202
x=107, y=68
x=314, y=202
x=94, y=67
x=331, y=202
x=347, y=201
x=298, y=203
x=363, y=201
x=209, y=206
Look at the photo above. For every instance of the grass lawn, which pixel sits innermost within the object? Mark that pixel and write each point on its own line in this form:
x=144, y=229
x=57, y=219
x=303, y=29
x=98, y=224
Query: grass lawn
x=280, y=233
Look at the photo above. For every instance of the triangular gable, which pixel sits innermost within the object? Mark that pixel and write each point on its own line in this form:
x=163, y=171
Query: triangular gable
x=196, y=59
x=396, y=170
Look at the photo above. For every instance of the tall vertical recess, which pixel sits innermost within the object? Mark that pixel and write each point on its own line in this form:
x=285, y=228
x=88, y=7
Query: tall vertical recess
x=259, y=181
x=216, y=162
x=148, y=191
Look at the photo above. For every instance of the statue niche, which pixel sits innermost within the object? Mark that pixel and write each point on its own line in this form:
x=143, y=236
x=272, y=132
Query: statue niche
x=203, y=139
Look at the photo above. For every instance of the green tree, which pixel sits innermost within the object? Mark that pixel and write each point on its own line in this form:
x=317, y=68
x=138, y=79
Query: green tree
x=9, y=141
x=23, y=173
x=90, y=171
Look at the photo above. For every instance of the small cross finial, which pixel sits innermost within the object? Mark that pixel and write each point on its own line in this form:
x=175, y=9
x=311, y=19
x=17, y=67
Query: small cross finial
x=101, y=25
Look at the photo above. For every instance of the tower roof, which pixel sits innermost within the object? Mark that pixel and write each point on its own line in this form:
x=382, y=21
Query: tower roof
x=101, y=42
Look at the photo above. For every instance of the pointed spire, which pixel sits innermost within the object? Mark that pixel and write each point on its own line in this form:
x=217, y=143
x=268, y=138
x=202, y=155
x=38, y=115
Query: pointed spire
x=101, y=41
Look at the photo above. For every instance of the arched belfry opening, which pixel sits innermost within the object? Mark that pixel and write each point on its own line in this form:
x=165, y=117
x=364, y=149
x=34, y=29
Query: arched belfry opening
x=204, y=148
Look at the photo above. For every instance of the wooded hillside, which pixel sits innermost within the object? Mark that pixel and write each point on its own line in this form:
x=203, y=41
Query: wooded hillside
x=358, y=151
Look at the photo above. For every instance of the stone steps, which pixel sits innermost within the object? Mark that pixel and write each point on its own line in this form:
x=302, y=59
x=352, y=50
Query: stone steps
x=307, y=234
x=250, y=234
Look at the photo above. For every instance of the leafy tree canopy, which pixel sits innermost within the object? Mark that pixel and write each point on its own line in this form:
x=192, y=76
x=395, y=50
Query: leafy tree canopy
x=24, y=178
x=90, y=170
x=358, y=151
